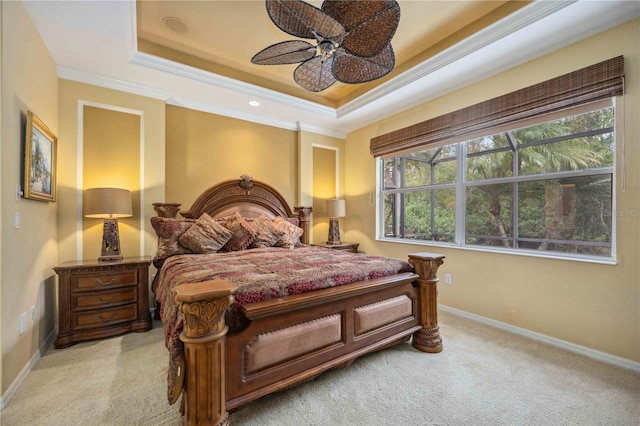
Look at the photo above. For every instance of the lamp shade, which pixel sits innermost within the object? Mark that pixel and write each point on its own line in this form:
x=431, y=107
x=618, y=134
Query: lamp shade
x=107, y=203
x=336, y=208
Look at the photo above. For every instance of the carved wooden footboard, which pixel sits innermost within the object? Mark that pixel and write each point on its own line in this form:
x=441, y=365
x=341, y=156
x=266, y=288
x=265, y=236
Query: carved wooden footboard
x=223, y=371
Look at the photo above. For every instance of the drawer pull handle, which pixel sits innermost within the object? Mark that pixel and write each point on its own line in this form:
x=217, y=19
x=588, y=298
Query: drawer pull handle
x=99, y=281
x=111, y=299
x=110, y=317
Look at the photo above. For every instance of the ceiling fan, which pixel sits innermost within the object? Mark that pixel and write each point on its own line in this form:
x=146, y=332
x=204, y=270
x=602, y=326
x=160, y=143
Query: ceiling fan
x=352, y=40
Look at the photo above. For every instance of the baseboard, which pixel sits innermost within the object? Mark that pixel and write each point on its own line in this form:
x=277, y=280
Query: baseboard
x=571, y=347
x=4, y=399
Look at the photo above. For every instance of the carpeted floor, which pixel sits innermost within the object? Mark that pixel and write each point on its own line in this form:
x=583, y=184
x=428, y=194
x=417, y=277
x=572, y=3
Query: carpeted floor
x=484, y=376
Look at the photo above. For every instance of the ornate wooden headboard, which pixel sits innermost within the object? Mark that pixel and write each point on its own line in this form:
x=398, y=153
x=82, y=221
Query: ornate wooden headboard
x=250, y=198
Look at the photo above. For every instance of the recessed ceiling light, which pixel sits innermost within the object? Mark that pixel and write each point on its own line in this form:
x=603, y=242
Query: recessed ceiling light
x=254, y=103
x=175, y=24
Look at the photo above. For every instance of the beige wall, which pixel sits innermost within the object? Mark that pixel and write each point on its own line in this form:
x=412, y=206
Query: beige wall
x=324, y=187
x=203, y=149
x=594, y=305
x=310, y=143
x=29, y=83
x=111, y=159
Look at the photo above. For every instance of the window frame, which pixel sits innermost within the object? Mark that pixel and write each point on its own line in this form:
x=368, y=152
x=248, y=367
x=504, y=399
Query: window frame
x=462, y=184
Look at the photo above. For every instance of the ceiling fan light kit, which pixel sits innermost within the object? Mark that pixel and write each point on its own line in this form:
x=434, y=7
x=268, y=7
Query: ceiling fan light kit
x=352, y=40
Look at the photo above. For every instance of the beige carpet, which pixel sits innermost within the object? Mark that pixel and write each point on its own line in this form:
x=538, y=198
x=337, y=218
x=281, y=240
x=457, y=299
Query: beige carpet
x=484, y=376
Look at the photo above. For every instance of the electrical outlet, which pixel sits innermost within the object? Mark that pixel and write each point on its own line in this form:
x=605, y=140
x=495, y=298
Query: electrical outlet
x=448, y=279
x=33, y=313
x=22, y=323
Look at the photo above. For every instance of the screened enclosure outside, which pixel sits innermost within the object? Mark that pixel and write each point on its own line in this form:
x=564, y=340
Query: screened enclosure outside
x=547, y=187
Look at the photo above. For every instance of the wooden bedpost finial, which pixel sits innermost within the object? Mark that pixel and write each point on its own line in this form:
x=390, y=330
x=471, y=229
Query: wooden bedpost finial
x=426, y=265
x=203, y=305
x=205, y=317
x=169, y=210
x=304, y=216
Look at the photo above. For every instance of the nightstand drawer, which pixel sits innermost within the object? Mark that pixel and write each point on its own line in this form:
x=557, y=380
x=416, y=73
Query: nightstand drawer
x=104, y=279
x=83, y=301
x=98, y=299
x=104, y=317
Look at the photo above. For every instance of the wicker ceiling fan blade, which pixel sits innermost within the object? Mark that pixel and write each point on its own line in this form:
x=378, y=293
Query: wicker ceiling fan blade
x=315, y=75
x=369, y=25
x=353, y=40
x=354, y=69
x=287, y=52
x=303, y=20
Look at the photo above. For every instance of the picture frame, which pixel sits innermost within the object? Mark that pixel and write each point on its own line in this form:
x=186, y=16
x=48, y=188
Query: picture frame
x=40, y=150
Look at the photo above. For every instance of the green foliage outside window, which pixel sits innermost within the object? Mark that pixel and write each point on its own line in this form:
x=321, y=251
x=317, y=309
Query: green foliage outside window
x=546, y=187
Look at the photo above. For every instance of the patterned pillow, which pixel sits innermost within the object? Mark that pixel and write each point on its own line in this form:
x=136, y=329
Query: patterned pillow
x=291, y=235
x=205, y=236
x=268, y=233
x=243, y=232
x=169, y=231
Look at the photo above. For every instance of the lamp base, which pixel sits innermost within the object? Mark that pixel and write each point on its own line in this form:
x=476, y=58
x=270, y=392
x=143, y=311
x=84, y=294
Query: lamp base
x=334, y=231
x=110, y=241
x=110, y=258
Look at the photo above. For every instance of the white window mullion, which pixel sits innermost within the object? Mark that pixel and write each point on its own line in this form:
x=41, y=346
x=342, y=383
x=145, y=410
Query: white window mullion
x=461, y=194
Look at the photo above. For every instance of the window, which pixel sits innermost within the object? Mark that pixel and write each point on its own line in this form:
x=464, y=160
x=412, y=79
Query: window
x=546, y=187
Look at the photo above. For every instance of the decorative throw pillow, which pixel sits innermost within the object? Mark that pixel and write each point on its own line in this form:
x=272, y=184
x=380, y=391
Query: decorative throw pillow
x=169, y=231
x=205, y=236
x=291, y=233
x=243, y=232
x=268, y=233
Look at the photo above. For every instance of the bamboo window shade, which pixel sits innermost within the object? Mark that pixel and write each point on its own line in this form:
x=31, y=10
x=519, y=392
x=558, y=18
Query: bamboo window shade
x=596, y=82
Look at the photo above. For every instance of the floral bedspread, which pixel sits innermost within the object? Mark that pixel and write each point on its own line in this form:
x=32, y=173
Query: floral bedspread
x=260, y=274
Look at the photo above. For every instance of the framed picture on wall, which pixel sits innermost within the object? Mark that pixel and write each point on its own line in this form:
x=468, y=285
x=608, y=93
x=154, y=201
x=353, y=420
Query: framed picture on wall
x=39, y=161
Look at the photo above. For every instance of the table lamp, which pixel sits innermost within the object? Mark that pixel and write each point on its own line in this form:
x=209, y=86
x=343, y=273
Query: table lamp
x=335, y=209
x=108, y=204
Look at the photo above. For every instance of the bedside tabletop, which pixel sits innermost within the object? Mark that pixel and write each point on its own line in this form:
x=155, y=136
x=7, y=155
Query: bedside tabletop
x=344, y=245
x=102, y=299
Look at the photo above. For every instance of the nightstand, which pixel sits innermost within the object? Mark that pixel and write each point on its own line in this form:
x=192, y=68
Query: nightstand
x=344, y=245
x=102, y=299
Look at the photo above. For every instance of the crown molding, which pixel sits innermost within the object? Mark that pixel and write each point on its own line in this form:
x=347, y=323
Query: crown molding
x=216, y=109
x=131, y=28
x=321, y=130
x=207, y=77
x=503, y=28
x=112, y=83
x=169, y=97
x=254, y=118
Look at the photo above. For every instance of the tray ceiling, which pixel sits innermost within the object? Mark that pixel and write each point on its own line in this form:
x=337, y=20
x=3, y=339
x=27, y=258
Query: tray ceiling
x=196, y=54
x=222, y=36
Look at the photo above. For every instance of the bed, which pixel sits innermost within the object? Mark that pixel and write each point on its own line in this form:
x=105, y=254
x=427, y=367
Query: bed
x=246, y=320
